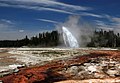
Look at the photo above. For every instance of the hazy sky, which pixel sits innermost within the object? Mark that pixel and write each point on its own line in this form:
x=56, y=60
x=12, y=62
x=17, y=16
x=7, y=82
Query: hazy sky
x=29, y=17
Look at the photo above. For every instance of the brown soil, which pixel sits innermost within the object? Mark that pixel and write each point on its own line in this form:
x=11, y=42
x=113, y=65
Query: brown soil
x=6, y=60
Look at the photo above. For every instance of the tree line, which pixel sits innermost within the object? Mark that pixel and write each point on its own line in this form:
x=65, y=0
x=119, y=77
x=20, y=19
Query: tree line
x=103, y=38
x=44, y=39
x=100, y=38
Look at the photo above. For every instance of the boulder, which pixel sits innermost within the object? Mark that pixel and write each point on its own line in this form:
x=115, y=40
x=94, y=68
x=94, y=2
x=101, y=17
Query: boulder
x=73, y=70
x=112, y=73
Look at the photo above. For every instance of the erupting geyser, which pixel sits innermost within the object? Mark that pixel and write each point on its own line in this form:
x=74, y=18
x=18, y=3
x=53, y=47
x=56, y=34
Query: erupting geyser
x=69, y=39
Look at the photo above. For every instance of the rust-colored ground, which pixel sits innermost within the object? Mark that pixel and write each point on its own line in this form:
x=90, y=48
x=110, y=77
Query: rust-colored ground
x=49, y=73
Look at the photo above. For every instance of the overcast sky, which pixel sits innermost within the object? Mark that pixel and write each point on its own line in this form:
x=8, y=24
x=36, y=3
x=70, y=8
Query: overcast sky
x=29, y=17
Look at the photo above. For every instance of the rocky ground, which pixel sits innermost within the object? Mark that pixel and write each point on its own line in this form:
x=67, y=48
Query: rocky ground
x=65, y=66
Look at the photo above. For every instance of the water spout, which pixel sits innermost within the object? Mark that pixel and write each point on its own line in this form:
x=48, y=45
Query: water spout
x=69, y=39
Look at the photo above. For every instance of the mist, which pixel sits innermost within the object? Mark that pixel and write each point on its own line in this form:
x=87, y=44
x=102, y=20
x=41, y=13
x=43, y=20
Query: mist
x=80, y=29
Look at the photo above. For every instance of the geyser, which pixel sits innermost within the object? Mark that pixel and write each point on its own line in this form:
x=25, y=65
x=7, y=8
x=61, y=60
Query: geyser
x=69, y=39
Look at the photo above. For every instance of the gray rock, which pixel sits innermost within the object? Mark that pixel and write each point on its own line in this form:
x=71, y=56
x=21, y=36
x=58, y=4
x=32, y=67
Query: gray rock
x=112, y=72
x=73, y=70
x=81, y=73
x=81, y=68
x=99, y=75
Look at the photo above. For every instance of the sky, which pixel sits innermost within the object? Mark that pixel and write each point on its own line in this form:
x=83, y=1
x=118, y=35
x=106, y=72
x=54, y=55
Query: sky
x=30, y=17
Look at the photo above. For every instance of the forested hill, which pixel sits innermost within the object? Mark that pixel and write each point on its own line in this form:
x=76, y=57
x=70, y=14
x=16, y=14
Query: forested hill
x=103, y=38
x=44, y=39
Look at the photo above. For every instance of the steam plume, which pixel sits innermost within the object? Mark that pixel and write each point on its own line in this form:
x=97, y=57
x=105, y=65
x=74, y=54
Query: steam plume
x=79, y=28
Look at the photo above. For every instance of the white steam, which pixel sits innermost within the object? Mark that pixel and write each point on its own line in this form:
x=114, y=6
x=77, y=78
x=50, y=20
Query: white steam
x=69, y=39
x=80, y=29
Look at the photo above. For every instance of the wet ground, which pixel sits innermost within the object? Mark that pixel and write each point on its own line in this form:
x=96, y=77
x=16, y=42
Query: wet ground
x=60, y=65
